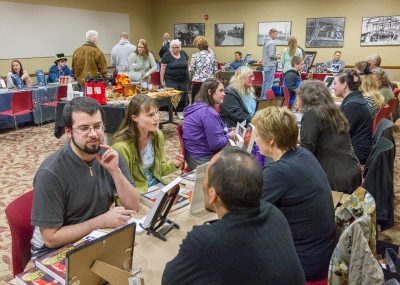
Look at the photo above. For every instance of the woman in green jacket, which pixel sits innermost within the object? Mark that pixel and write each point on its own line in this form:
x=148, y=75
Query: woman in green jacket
x=141, y=144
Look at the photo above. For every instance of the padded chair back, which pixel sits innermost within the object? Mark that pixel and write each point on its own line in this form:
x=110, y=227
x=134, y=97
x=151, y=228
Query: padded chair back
x=269, y=94
x=394, y=107
x=384, y=112
x=286, y=95
x=258, y=78
x=18, y=215
x=155, y=78
x=21, y=103
x=396, y=92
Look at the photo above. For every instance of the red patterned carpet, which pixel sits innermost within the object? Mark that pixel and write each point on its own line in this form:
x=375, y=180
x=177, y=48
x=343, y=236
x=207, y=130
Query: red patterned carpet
x=22, y=152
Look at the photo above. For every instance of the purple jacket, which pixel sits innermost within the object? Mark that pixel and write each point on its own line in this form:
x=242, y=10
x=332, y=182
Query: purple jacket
x=203, y=131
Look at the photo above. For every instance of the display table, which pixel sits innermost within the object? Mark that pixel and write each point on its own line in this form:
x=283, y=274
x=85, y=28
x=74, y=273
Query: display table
x=40, y=95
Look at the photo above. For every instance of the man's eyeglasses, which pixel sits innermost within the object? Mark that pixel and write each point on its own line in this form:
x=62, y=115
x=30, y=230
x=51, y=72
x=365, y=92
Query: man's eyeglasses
x=85, y=130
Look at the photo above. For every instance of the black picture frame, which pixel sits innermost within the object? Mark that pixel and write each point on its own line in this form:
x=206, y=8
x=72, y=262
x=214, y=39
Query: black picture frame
x=186, y=32
x=229, y=34
x=380, y=31
x=309, y=57
x=284, y=29
x=325, y=32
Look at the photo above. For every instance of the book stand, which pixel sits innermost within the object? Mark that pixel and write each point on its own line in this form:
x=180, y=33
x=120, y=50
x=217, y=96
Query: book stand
x=157, y=223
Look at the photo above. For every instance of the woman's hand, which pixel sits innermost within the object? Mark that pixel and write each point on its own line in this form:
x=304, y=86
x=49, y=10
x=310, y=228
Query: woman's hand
x=179, y=160
x=231, y=134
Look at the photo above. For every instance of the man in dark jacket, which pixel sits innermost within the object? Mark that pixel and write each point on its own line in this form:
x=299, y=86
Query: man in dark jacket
x=292, y=77
x=165, y=46
x=249, y=244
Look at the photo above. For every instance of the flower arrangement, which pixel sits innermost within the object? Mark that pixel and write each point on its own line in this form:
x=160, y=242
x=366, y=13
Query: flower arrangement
x=121, y=80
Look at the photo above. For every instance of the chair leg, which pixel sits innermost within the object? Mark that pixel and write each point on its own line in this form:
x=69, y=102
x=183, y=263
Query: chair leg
x=15, y=123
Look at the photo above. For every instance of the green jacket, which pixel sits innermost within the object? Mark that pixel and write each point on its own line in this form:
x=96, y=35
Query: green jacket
x=160, y=168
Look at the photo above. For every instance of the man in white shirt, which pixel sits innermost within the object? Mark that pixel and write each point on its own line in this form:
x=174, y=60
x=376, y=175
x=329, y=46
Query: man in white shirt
x=120, y=53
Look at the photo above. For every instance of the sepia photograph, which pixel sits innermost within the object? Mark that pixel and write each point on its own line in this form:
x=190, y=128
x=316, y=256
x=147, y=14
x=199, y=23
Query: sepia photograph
x=325, y=32
x=283, y=28
x=380, y=31
x=229, y=34
x=187, y=32
x=309, y=60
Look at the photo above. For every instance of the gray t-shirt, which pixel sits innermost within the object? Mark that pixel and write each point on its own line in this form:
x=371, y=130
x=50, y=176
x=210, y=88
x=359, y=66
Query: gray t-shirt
x=66, y=193
x=269, y=56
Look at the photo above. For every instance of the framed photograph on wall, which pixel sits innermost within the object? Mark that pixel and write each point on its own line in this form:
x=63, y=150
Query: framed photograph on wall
x=325, y=32
x=187, y=32
x=229, y=34
x=284, y=30
x=380, y=31
x=309, y=58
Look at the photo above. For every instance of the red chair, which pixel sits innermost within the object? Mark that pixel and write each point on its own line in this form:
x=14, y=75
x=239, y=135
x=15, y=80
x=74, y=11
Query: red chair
x=320, y=282
x=320, y=76
x=155, y=78
x=393, y=107
x=384, y=112
x=396, y=92
x=18, y=215
x=61, y=93
x=269, y=94
x=179, y=131
x=286, y=94
x=21, y=104
x=258, y=78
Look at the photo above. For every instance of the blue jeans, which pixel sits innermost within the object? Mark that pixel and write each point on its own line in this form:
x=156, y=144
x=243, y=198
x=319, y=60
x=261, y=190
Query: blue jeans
x=268, y=79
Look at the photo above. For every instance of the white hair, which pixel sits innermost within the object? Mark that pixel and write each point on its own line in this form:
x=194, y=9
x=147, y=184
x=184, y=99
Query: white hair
x=175, y=42
x=91, y=35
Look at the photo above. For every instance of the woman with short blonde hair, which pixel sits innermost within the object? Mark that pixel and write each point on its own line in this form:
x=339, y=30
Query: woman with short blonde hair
x=296, y=184
x=240, y=103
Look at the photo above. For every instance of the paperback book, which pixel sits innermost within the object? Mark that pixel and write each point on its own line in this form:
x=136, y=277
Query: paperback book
x=35, y=276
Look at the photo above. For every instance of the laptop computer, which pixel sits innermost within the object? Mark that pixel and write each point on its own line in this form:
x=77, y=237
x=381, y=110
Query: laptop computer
x=197, y=206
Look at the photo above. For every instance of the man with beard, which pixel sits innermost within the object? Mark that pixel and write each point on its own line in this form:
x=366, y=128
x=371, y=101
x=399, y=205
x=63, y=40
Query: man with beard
x=75, y=187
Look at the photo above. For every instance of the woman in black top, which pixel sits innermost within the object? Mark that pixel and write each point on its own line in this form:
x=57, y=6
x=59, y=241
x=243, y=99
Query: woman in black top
x=296, y=184
x=174, y=71
x=357, y=111
x=325, y=132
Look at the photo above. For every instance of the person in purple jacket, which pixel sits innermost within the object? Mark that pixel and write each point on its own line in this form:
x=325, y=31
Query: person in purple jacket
x=203, y=130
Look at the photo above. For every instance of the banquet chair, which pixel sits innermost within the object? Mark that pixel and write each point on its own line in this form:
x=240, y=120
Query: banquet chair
x=384, y=112
x=179, y=131
x=61, y=93
x=21, y=104
x=394, y=108
x=269, y=94
x=258, y=78
x=18, y=215
x=286, y=95
x=396, y=92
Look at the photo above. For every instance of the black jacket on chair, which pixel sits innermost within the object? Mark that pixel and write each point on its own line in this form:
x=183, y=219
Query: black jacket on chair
x=378, y=181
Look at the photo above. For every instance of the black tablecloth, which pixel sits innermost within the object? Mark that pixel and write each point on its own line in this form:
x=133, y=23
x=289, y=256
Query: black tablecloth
x=113, y=116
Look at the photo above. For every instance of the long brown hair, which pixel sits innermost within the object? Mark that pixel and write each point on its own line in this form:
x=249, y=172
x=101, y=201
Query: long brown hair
x=317, y=98
x=142, y=42
x=292, y=45
x=21, y=71
x=128, y=130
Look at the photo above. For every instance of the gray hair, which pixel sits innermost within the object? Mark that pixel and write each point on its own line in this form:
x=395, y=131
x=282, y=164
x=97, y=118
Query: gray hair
x=124, y=35
x=91, y=35
x=375, y=58
x=175, y=42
